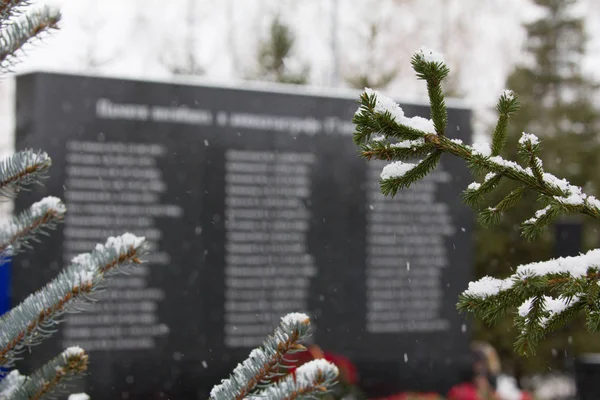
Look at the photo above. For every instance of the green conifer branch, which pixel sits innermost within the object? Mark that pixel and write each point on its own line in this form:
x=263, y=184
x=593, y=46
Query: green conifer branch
x=592, y=321
x=22, y=169
x=491, y=215
x=40, y=217
x=529, y=148
x=543, y=217
x=36, y=317
x=529, y=321
x=51, y=379
x=534, y=321
x=573, y=279
x=263, y=363
x=511, y=199
x=15, y=35
x=391, y=185
x=475, y=193
x=430, y=67
x=370, y=122
x=507, y=105
x=403, y=150
x=547, y=294
x=511, y=293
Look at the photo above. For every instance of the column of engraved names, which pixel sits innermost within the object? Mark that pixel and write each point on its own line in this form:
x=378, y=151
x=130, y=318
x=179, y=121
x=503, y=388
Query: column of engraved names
x=267, y=268
x=112, y=188
x=406, y=253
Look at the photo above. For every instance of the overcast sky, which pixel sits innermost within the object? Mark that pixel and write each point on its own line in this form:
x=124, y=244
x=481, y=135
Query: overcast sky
x=142, y=38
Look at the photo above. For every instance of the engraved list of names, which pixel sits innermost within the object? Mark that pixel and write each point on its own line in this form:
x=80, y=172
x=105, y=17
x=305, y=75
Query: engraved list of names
x=111, y=188
x=406, y=255
x=267, y=267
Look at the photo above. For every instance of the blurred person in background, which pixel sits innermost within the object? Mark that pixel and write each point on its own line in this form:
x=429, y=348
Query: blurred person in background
x=477, y=383
x=484, y=379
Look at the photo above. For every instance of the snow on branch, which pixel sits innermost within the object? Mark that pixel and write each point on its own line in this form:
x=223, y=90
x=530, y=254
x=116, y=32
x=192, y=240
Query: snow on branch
x=575, y=279
x=396, y=169
x=572, y=282
x=399, y=175
x=79, y=396
x=34, y=319
x=309, y=380
x=31, y=26
x=475, y=192
x=10, y=384
x=400, y=140
x=481, y=149
x=430, y=56
x=380, y=115
x=574, y=267
x=385, y=104
x=263, y=363
x=541, y=314
x=51, y=378
x=550, y=309
x=381, y=118
x=41, y=216
x=21, y=169
x=529, y=139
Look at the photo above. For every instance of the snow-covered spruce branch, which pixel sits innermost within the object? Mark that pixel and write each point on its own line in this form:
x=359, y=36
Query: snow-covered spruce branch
x=40, y=217
x=429, y=65
x=263, y=363
x=50, y=379
x=547, y=294
x=574, y=281
x=309, y=381
x=266, y=362
x=22, y=169
x=384, y=132
x=23, y=30
x=35, y=318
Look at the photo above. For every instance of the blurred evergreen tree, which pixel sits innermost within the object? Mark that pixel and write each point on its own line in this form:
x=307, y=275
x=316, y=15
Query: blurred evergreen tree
x=274, y=56
x=372, y=76
x=187, y=63
x=557, y=104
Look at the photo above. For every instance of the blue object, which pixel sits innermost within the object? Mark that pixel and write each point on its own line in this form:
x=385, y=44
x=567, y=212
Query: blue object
x=5, y=292
x=5, y=269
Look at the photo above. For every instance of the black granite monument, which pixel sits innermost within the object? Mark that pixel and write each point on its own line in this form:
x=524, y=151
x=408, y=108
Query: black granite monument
x=255, y=204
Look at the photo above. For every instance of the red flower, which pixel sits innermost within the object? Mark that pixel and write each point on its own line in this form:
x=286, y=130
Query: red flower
x=348, y=371
x=464, y=391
